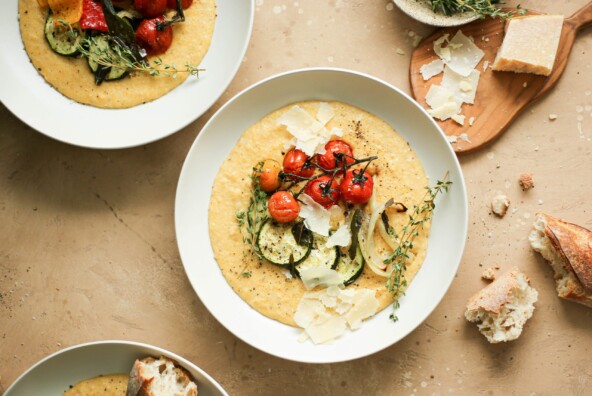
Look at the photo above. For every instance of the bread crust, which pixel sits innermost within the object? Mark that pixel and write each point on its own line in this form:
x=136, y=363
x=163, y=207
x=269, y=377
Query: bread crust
x=574, y=245
x=493, y=297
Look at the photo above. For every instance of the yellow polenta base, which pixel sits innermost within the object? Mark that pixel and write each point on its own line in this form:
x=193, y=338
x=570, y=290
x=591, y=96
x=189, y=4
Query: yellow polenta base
x=104, y=385
x=400, y=176
x=72, y=76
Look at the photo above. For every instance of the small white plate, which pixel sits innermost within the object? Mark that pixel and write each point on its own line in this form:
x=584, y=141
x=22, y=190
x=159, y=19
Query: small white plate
x=26, y=94
x=54, y=374
x=421, y=10
x=218, y=137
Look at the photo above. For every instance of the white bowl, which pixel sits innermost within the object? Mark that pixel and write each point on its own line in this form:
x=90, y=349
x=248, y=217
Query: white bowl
x=421, y=10
x=215, y=141
x=54, y=374
x=26, y=94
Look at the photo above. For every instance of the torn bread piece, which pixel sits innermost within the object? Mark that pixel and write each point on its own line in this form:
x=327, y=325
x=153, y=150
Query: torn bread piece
x=160, y=377
x=502, y=308
x=500, y=204
x=568, y=249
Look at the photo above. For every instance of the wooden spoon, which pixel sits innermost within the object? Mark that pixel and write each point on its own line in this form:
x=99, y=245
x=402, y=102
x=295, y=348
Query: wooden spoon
x=501, y=96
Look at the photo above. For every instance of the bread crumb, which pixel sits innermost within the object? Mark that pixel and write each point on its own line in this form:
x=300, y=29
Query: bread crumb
x=552, y=117
x=526, y=181
x=502, y=308
x=500, y=204
x=488, y=274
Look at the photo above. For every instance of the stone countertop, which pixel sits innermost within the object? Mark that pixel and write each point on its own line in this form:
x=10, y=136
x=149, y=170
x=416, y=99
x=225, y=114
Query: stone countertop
x=88, y=251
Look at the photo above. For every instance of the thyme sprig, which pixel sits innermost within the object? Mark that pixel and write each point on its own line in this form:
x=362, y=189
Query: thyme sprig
x=421, y=215
x=119, y=57
x=250, y=221
x=482, y=8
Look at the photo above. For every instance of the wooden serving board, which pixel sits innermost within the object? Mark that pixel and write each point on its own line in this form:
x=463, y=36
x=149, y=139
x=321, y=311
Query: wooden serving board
x=501, y=96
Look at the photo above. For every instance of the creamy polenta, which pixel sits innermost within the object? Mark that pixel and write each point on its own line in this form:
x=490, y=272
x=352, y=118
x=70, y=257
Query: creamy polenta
x=103, y=385
x=72, y=77
x=399, y=175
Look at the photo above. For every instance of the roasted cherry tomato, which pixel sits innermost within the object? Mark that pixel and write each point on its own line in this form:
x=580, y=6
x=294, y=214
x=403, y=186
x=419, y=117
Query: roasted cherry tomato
x=330, y=160
x=356, y=187
x=297, y=163
x=93, y=16
x=184, y=3
x=150, y=8
x=154, y=41
x=324, y=191
x=269, y=175
x=283, y=207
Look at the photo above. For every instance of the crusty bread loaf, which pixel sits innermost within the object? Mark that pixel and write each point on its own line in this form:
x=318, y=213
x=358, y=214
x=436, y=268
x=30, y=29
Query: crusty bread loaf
x=503, y=307
x=568, y=249
x=160, y=377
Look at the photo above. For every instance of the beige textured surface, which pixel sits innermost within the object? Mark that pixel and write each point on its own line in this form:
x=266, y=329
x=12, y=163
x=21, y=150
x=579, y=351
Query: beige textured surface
x=88, y=252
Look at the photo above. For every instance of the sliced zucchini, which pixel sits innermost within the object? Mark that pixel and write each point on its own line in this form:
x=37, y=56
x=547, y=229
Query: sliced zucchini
x=349, y=269
x=100, y=47
x=320, y=255
x=63, y=39
x=276, y=243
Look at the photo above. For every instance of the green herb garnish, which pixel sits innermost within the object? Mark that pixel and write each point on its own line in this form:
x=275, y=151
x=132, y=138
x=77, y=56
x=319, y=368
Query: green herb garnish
x=421, y=215
x=482, y=8
x=251, y=220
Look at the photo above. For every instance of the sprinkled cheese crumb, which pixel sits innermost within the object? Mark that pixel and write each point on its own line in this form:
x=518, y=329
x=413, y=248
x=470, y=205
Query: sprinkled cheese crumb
x=471, y=121
x=400, y=51
x=552, y=117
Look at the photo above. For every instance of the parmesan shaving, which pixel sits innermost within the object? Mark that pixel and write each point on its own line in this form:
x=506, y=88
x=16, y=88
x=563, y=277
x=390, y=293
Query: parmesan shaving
x=341, y=237
x=319, y=276
x=464, y=54
x=316, y=217
x=432, y=69
x=325, y=315
x=459, y=119
x=310, y=134
x=463, y=89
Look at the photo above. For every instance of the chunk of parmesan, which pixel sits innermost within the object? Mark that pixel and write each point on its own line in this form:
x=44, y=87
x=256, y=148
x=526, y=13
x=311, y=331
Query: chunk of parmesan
x=432, y=69
x=530, y=44
x=459, y=119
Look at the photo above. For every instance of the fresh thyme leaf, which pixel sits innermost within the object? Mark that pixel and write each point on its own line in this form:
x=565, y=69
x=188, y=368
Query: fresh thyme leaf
x=482, y=8
x=250, y=220
x=421, y=215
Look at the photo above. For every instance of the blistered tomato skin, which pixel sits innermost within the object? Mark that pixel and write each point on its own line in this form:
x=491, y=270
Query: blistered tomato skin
x=283, y=207
x=92, y=16
x=356, y=187
x=184, y=3
x=154, y=41
x=150, y=8
x=324, y=191
x=329, y=161
x=269, y=176
x=297, y=163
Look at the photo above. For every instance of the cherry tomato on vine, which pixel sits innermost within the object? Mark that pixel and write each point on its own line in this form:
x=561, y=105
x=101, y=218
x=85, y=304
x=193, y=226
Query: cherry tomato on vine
x=150, y=8
x=184, y=3
x=324, y=191
x=356, y=187
x=154, y=41
x=297, y=163
x=330, y=161
x=269, y=179
x=283, y=207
